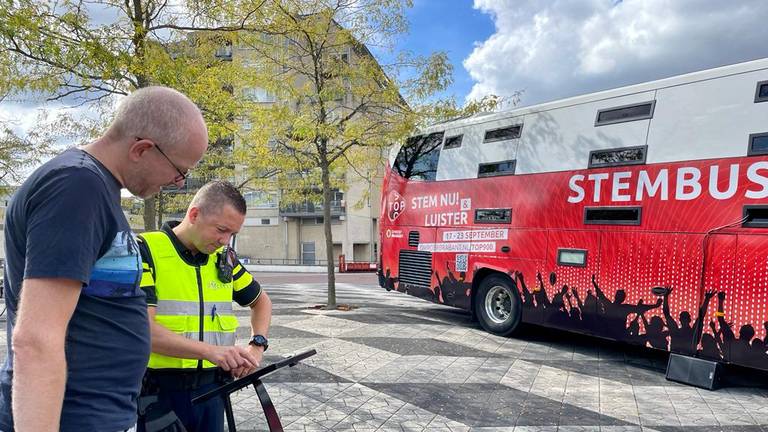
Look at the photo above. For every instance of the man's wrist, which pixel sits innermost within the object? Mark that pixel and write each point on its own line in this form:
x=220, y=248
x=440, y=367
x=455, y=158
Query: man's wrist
x=259, y=341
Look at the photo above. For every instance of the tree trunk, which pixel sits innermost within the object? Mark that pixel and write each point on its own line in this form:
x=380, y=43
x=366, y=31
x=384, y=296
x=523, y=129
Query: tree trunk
x=149, y=214
x=328, y=234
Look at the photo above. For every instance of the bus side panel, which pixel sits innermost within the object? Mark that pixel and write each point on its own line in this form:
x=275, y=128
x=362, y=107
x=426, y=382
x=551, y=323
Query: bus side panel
x=717, y=298
x=632, y=266
x=564, y=293
x=522, y=261
x=450, y=264
x=746, y=318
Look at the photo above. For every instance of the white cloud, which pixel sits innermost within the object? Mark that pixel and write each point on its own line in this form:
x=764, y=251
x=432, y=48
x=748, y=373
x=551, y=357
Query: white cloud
x=559, y=48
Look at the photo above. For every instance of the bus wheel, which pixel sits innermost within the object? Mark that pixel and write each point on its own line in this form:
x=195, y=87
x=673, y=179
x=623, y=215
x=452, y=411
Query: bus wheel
x=498, y=306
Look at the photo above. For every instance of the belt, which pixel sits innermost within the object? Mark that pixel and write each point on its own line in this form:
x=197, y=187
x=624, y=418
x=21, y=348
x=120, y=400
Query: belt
x=182, y=380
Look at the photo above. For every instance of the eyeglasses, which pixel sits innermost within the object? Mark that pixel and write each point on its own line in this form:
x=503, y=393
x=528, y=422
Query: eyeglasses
x=182, y=175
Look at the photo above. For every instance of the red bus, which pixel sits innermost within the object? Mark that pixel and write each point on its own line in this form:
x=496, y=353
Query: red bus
x=637, y=214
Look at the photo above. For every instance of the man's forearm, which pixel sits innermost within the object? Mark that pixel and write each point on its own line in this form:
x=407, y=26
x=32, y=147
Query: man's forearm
x=261, y=315
x=170, y=344
x=39, y=361
x=39, y=379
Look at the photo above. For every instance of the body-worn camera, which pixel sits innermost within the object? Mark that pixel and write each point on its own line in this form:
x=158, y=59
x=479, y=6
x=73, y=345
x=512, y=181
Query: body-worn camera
x=225, y=264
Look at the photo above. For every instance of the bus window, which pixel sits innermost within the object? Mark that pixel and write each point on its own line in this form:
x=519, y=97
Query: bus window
x=761, y=95
x=615, y=157
x=612, y=215
x=491, y=216
x=417, y=159
x=625, y=113
x=496, y=169
x=755, y=216
x=502, y=134
x=758, y=144
x=452, y=142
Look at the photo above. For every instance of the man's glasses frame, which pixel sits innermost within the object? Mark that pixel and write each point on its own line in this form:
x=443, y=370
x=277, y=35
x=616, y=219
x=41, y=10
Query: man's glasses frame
x=182, y=175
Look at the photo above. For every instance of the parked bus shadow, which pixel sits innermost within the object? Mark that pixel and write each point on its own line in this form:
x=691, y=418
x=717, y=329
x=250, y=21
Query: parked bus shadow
x=589, y=355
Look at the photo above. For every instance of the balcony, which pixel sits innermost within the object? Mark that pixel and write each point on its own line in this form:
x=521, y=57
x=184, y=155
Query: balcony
x=312, y=210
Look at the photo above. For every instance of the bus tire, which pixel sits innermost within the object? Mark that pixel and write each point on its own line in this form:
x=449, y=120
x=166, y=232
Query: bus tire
x=497, y=306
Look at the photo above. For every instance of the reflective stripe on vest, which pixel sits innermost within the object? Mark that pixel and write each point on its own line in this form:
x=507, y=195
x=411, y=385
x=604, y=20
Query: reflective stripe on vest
x=182, y=290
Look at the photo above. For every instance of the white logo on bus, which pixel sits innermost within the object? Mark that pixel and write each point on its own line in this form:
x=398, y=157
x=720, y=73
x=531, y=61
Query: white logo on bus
x=458, y=247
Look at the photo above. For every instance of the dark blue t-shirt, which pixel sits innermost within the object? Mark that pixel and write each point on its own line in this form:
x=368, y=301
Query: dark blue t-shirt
x=65, y=221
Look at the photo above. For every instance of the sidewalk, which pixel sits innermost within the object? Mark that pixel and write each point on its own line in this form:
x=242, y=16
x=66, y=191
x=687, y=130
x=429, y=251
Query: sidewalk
x=398, y=363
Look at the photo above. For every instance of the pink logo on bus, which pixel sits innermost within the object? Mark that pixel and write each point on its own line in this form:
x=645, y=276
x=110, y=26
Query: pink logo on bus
x=395, y=205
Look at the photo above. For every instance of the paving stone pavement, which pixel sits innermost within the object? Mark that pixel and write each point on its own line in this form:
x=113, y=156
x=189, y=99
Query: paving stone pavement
x=397, y=363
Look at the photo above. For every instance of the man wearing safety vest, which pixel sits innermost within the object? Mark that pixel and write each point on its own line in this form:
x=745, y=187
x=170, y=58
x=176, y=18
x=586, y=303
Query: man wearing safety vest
x=191, y=276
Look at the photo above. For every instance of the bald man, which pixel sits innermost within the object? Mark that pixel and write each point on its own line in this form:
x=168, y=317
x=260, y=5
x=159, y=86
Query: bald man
x=77, y=319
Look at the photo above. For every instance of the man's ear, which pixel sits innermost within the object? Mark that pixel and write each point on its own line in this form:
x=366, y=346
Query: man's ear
x=138, y=148
x=193, y=214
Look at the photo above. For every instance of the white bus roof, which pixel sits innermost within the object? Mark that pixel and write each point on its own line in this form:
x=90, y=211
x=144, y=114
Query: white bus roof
x=704, y=75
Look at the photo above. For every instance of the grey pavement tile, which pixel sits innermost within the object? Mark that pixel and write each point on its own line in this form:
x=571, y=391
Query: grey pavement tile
x=419, y=346
x=278, y=332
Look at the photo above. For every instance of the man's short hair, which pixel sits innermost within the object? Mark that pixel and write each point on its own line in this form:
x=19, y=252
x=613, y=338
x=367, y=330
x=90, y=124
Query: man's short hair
x=157, y=113
x=213, y=196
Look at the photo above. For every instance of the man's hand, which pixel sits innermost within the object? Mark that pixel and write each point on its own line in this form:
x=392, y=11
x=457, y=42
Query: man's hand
x=258, y=353
x=231, y=358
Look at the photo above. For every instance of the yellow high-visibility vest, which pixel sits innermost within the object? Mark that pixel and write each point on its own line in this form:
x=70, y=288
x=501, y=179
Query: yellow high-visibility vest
x=191, y=301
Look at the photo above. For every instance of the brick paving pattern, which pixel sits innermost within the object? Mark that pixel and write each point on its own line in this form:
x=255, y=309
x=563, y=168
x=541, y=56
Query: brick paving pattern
x=397, y=363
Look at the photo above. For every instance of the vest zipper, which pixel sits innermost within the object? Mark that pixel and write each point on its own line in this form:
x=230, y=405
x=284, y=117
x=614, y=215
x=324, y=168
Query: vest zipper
x=202, y=310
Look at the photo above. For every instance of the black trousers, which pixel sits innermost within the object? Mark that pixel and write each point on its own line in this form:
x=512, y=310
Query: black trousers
x=206, y=417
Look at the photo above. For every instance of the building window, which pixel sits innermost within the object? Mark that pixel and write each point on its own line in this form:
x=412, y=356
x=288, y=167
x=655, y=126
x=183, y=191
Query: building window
x=615, y=157
x=501, y=134
x=258, y=94
x=261, y=199
x=625, y=113
x=496, y=169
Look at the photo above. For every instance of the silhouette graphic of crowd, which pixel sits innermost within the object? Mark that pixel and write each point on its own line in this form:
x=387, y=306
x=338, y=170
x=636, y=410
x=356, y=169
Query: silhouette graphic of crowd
x=597, y=314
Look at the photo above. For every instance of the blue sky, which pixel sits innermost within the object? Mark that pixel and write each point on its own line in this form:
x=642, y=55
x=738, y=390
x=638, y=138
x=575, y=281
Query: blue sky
x=452, y=26
x=552, y=49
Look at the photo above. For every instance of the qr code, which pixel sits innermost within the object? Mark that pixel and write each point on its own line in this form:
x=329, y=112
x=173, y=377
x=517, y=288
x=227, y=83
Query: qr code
x=461, y=262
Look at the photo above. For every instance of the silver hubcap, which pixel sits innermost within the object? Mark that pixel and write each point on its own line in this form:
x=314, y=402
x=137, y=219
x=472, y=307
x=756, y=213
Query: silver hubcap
x=498, y=304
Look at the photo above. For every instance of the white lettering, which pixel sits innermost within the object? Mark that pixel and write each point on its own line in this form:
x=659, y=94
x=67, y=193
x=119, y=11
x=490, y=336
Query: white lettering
x=486, y=234
x=758, y=179
x=597, y=178
x=733, y=180
x=444, y=219
x=576, y=188
x=449, y=199
x=644, y=183
x=458, y=247
x=619, y=186
x=688, y=177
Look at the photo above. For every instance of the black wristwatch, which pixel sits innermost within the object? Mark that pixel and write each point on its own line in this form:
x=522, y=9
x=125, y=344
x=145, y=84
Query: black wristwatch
x=259, y=340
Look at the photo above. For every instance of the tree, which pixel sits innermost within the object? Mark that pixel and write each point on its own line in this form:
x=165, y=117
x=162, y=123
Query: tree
x=335, y=107
x=88, y=52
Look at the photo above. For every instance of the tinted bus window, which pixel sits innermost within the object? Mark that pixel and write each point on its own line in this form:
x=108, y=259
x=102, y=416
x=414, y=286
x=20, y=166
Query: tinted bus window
x=625, y=113
x=417, y=159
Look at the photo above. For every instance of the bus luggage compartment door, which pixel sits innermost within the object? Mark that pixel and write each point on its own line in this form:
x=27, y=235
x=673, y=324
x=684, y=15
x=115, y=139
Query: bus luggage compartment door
x=741, y=314
x=649, y=288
